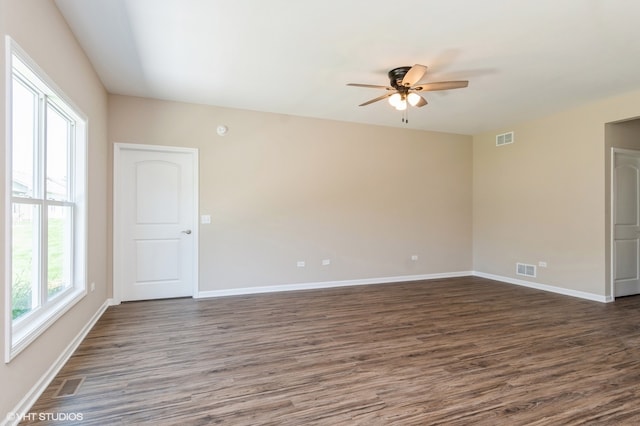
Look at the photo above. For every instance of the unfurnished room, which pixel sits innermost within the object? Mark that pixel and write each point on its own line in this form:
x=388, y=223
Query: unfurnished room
x=270, y=212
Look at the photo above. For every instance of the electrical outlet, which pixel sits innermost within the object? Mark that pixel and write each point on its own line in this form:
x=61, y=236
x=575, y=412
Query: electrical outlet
x=300, y=264
x=414, y=257
x=326, y=262
x=93, y=286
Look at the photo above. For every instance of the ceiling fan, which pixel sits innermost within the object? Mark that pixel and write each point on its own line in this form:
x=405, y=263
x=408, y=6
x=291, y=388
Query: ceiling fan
x=404, y=85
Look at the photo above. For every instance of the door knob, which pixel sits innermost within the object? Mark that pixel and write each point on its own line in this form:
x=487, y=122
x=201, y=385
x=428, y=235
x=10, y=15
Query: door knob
x=188, y=231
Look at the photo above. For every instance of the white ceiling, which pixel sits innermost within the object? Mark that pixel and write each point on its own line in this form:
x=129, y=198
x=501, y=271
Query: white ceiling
x=523, y=58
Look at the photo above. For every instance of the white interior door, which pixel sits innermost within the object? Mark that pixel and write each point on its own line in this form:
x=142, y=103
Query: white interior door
x=626, y=223
x=155, y=232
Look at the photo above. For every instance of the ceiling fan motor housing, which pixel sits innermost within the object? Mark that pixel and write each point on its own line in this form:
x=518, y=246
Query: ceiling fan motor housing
x=396, y=75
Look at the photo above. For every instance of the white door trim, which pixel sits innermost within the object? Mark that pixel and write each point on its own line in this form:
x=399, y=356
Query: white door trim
x=117, y=239
x=612, y=199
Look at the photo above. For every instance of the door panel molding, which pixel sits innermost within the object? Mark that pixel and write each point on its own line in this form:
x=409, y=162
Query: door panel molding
x=119, y=239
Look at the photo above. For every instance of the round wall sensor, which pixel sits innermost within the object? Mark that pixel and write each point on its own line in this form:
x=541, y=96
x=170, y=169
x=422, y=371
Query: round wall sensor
x=222, y=130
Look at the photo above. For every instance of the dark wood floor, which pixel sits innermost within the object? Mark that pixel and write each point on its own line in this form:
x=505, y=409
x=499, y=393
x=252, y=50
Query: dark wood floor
x=454, y=351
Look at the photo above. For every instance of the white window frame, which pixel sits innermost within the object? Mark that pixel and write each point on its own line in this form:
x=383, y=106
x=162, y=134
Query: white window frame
x=24, y=330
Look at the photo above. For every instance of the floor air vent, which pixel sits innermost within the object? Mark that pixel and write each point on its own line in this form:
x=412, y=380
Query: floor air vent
x=504, y=139
x=526, y=270
x=69, y=387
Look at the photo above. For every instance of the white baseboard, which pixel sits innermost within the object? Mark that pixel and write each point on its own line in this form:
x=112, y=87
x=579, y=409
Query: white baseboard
x=545, y=287
x=32, y=396
x=326, y=284
x=401, y=278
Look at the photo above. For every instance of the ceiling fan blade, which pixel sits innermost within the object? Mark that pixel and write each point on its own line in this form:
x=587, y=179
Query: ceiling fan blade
x=372, y=86
x=422, y=102
x=379, y=98
x=414, y=75
x=440, y=85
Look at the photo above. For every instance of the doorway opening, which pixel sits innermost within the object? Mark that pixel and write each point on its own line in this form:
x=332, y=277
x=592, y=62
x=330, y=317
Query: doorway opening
x=622, y=140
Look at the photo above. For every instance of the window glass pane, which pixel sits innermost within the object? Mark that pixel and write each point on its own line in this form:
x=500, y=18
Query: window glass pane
x=24, y=255
x=58, y=127
x=59, y=250
x=24, y=110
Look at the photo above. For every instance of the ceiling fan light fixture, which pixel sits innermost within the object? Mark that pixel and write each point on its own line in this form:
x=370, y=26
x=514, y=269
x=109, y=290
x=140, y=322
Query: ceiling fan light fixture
x=413, y=99
x=401, y=105
x=395, y=99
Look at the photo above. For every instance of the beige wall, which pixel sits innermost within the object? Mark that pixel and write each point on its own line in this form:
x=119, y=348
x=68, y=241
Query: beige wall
x=39, y=29
x=544, y=198
x=282, y=189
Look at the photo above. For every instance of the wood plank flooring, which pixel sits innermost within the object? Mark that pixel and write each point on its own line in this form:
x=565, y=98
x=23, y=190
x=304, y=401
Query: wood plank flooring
x=454, y=351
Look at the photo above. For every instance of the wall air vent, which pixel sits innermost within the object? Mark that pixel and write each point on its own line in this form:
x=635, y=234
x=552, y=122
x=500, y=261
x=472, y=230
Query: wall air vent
x=504, y=139
x=526, y=270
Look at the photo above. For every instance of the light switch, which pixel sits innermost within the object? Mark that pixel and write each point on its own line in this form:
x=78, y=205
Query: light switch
x=205, y=219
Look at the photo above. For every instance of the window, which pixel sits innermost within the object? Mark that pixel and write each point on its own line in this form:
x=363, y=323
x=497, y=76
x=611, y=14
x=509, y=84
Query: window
x=46, y=173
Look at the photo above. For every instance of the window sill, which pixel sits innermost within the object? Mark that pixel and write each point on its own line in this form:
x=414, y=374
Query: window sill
x=17, y=341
